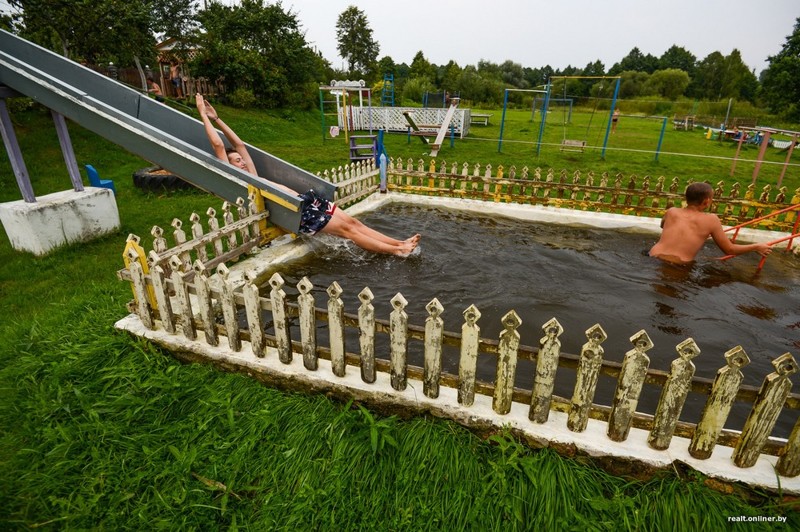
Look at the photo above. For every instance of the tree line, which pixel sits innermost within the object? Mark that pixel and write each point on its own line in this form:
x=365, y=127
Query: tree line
x=259, y=51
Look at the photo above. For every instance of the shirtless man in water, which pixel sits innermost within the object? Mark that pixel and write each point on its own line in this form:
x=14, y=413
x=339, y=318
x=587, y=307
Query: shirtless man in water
x=686, y=229
x=318, y=214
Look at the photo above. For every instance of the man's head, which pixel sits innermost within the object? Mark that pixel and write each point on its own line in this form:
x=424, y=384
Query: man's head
x=697, y=193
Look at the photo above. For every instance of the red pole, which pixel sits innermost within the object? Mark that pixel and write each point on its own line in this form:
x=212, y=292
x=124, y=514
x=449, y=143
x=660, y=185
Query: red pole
x=761, y=152
x=788, y=157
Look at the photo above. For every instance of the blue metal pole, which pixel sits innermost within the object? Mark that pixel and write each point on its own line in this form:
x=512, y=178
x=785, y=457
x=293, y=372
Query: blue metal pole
x=452, y=135
x=502, y=122
x=610, y=117
x=545, y=107
x=661, y=137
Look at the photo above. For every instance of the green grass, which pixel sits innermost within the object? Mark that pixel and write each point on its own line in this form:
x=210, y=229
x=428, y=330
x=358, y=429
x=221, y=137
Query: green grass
x=99, y=430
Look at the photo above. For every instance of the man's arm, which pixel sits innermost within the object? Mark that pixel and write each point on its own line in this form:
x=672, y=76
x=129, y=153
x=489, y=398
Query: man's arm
x=729, y=248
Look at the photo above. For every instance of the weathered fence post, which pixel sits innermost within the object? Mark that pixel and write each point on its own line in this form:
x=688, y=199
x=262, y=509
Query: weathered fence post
x=206, y=308
x=546, y=366
x=673, y=395
x=140, y=290
x=213, y=228
x=789, y=463
x=228, y=302
x=277, y=296
x=180, y=238
x=468, y=363
x=765, y=411
x=252, y=305
x=506, y=363
x=434, y=331
x=366, y=327
x=586, y=379
x=719, y=403
x=197, y=233
x=308, y=328
x=157, y=276
x=336, y=329
x=398, y=340
x=182, y=298
x=629, y=386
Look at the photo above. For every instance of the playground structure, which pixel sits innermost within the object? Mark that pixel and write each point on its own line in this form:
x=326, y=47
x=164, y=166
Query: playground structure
x=439, y=130
x=762, y=137
x=141, y=125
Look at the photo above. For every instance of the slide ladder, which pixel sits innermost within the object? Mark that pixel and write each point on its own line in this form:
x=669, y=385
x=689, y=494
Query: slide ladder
x=150, y=129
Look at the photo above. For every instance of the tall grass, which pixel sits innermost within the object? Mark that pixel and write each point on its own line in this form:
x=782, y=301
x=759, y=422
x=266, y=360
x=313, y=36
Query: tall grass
x=99, y=430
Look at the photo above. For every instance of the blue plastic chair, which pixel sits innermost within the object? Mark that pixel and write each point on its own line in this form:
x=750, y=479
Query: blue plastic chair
x=95, y=181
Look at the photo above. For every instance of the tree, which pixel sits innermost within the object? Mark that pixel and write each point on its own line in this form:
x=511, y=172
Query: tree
x=258, y=47
x=678, y=57
x=355, y=42
x=636, y=61
x=100, y=30
x=669, y=83
x=781, y=79
x=421, y=68
x=632, y=83
x=717, y=77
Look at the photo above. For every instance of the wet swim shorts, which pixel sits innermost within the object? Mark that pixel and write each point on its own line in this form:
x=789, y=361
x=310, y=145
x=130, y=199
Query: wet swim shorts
x=316, y=212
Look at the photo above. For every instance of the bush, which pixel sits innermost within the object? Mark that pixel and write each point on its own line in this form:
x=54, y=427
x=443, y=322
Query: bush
x=242, y=98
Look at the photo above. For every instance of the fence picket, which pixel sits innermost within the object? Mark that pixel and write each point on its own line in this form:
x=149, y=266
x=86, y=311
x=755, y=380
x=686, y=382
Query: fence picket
x=336, y=329
x=255, y=322
x=182, y=298
x=434, y=332
x=765, y=411
x=468, y=362
x=280, y=321
x=366, y=328
x=629, y=386
x=546, y=366
x=673, y=395
x=586, y=380
x=398, y=340
x=161, y=290
x=205, y=303
x=506, y=363
x=308, y=328
x=719, y=403
x=228, y=302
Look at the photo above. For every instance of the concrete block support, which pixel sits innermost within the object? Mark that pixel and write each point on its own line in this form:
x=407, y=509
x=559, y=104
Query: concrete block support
x=58, y=219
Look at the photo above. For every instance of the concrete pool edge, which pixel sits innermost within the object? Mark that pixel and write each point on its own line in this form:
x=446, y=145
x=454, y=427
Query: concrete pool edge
x=553, y=433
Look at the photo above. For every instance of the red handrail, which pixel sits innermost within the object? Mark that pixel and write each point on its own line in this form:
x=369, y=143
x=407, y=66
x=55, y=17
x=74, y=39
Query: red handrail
x=736, y=228
x=771, y=243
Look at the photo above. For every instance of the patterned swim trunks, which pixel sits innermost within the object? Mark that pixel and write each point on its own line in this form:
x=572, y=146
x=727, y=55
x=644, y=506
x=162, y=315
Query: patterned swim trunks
x=316, y=212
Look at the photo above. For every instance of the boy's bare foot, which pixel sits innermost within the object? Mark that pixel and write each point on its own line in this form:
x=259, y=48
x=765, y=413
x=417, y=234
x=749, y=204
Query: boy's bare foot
x=407, y=246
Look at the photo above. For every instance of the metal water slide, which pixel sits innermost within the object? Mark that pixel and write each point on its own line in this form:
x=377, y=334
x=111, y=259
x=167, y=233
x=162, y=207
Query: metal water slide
x=150, y=129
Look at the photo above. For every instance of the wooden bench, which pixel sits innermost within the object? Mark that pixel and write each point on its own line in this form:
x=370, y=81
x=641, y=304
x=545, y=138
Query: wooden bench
x=685, y=123
x=360, y=151
x=479, y=118
x=573, y=145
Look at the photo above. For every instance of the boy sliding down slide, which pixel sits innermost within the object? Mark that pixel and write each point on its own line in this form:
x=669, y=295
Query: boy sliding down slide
x=318, y=214
x=685, y=230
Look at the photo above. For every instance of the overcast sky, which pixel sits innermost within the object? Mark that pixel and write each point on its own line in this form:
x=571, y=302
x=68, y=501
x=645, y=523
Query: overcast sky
x=535, y=33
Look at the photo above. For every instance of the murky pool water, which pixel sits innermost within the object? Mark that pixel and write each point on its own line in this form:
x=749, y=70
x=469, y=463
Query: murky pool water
x=580, y=276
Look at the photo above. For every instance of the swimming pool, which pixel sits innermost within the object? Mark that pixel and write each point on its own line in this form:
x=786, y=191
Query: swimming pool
x=579, y=275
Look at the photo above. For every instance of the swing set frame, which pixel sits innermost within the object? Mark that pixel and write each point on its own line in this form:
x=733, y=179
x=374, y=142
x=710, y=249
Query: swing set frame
x=547, y=96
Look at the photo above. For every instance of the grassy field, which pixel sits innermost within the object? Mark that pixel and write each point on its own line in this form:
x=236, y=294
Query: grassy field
x=99, y=430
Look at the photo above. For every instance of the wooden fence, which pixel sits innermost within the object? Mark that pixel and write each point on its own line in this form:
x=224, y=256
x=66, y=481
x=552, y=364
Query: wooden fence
x=173, y=290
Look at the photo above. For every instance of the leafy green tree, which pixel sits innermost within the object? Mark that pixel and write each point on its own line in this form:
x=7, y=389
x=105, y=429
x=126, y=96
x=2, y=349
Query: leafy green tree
x=421, y=68
x=635, y=60
x=669, y=83
x=258, y=47
x=717, y=77
x=678, y=57
x=99, y=30
x=451, y=73
x=513, y=75
x=355, y=42
x=781, y=80
x=386, y=65
x=632, y=83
